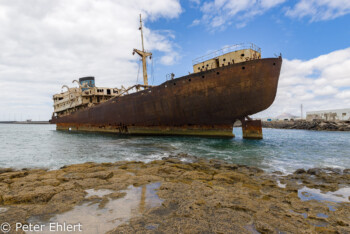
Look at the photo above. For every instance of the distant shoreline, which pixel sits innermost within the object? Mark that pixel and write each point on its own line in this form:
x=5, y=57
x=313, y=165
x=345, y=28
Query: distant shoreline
x=318, y=125
x=24, y=122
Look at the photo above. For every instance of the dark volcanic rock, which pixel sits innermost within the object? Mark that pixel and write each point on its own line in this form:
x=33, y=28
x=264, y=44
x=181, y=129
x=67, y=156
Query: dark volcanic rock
x=300, y=171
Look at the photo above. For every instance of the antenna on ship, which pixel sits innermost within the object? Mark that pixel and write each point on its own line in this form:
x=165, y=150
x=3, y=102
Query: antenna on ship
x=301, y=111
x=143, y=54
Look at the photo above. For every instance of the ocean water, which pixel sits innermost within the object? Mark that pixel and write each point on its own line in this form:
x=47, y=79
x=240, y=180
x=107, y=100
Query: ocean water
x=41, y=146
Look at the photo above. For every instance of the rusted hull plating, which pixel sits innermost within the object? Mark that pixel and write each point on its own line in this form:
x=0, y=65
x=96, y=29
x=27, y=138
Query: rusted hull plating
x=252, y=129
x=205, y=103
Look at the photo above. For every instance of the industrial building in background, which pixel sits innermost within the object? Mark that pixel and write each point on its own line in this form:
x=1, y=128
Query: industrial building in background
x=329, y=115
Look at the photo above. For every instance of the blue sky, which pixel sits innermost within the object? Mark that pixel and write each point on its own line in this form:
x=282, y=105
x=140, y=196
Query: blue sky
x=47, y=44
x=273, y=31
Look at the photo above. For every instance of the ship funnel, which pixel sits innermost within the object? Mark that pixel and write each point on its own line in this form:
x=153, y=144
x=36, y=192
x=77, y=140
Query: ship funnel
x=88, y=81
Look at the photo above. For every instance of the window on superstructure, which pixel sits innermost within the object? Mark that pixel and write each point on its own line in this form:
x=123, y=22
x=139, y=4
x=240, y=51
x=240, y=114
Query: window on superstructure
x=108, y=91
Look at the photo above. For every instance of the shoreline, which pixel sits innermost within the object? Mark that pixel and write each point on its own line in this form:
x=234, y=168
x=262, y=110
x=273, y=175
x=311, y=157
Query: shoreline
x=187, y=194
x=316, y=125
x=24, y=122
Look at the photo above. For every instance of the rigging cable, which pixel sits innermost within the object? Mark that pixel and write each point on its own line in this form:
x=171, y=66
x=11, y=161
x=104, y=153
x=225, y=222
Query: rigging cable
x=138, y=72
x=152, y=73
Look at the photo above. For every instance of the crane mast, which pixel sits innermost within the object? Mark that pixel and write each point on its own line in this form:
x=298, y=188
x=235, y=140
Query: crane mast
x=143, y=54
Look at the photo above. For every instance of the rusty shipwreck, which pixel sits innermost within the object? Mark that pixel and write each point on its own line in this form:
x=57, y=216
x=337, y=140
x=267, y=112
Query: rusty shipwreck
x=225, y=86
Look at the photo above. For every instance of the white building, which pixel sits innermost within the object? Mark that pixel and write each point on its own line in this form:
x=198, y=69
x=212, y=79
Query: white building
x=329, y=115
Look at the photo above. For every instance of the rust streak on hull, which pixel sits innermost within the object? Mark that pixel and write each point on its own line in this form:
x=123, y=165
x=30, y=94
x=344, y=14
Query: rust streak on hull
x=217, y=97
x=252, y=129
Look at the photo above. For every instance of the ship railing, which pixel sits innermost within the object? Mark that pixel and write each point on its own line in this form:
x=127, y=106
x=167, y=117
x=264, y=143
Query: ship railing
x=127, y=90
x=225, y=50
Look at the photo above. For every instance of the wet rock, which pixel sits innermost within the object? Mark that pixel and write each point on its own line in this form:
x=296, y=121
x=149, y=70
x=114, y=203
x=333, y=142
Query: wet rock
x=102, y=175
x=4, y=170
x=37, y=195
x=278, y=172
x=300, y=171
x=346, y=171
x=314, y=171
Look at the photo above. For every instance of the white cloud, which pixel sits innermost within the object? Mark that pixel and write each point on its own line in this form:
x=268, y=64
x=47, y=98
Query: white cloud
x=45, y=44
x=218, y=14
x=319, y=10
x=320, y=83
x=195, y=22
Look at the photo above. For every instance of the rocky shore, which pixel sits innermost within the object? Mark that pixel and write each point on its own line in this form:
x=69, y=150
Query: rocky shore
x=192, y=196
x=319, y=125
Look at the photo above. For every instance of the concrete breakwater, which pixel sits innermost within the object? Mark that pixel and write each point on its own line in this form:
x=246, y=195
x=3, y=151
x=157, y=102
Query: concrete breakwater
x=24, y=122
x=179, y=194
x=319, y=125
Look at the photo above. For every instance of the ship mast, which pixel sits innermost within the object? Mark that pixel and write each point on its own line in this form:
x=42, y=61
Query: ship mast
x=143, y=54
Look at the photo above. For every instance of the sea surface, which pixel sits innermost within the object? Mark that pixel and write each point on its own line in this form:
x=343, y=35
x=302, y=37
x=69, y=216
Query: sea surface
x=41, y=146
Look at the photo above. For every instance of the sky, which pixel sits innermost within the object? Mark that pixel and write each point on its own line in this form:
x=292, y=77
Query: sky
x=46, y=44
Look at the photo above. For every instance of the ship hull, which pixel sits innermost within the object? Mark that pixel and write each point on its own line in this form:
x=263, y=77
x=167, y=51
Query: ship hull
x=205, y=103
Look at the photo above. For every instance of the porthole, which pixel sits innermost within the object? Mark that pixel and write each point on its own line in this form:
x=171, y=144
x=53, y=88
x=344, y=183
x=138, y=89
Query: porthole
x=174, y=83
x=202, y=76
x=224, y=60
x=217, y=73
x=243, y=68
x=274, y=64
x=189, y=80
